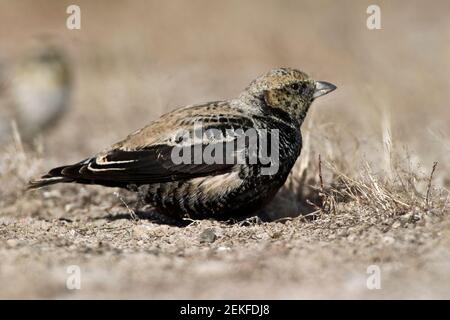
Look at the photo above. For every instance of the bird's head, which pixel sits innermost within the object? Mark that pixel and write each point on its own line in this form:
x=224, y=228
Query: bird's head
x=50, y=57
x=288, y=90
x=45, y=58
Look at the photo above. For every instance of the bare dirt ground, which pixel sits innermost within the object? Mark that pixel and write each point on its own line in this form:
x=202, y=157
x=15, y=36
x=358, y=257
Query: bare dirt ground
x=378, y=136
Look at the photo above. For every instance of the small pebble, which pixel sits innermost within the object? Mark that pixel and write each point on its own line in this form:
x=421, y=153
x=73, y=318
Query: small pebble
x=388, y=240
x=13, y=243
x=208, y=236
x=223, y=249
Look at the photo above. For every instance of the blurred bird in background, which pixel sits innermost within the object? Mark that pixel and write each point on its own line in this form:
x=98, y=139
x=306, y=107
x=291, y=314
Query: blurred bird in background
x=34, y=92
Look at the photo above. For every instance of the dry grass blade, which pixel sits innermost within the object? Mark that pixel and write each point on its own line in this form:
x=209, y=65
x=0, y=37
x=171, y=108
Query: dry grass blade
x=427, y=200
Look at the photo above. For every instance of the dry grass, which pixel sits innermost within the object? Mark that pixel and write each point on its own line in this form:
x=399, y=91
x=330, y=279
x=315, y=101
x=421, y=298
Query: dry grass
x=374, y=197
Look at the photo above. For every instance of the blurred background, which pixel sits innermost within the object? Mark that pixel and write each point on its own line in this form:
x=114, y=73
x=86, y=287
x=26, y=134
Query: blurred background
x=133, y=61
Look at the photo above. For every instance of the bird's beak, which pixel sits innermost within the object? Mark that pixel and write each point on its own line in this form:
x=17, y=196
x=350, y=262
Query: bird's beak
x=322, y=88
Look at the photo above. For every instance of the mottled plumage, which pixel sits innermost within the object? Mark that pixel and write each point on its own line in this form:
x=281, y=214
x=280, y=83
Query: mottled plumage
x=277, y=101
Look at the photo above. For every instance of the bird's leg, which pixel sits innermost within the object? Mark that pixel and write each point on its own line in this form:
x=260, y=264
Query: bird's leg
x=142, y=192
x=140, y=195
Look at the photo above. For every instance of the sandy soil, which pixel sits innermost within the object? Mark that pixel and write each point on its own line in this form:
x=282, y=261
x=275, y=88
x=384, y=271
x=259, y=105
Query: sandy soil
x=120, y=257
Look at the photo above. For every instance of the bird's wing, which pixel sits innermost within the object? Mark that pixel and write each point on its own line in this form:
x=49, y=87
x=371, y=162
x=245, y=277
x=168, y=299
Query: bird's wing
x=147, y=156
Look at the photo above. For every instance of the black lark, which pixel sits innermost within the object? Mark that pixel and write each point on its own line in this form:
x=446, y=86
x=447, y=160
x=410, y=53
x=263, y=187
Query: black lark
x=146, y=161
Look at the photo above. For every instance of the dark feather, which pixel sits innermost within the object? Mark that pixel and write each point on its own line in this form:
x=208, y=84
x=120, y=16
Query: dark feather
x=119, y=168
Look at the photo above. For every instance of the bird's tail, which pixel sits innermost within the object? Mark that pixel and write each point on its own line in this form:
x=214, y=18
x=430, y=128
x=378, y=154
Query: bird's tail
x=53, y=177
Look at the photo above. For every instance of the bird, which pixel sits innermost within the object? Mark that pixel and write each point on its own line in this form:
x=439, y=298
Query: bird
x=38, y=89
x=144, y=161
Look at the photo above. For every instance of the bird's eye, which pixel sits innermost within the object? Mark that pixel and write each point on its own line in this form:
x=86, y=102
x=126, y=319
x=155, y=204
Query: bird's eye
x=294, y=86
